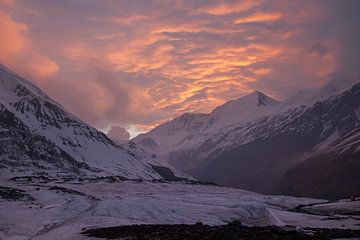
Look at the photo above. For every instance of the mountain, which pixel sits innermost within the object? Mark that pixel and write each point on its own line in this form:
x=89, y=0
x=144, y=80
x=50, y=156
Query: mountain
x=189, y=130
x=242, y=109
x=333, y=173
x=267, y=146
x=60, y=177
x=38, y=136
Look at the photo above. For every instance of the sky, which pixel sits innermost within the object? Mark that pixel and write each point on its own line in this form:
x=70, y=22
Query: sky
x=134, y=64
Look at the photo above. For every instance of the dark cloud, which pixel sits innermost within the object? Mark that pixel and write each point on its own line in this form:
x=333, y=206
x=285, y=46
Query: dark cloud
x=345, y=25
x=319, y=49
x=118, y=134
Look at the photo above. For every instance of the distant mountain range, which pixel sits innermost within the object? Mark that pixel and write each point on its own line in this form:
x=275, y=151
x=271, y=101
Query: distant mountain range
x=38, y=136
x=308, y=145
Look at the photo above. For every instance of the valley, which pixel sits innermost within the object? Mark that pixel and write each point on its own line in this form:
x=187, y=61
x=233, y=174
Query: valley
x=59, y=209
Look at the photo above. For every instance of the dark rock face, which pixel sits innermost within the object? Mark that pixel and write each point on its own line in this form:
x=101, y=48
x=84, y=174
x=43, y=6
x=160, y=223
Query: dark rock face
x=13, y=194
x=228, y=232
x=51, y=115
x=166, y=173
x=22, y=149
x=277, y=144
x=148, y=142
x=330, y=176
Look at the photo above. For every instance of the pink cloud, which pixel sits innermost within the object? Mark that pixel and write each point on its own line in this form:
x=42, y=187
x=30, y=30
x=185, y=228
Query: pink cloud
x=140, y=63
x=13, y=38
x=8, y=3
x=17, y=48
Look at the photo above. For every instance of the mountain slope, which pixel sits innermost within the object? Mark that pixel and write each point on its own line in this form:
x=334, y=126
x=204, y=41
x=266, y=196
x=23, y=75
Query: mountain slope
x=329, y=175
x=255, y=152
x=22, y=151
x=279, y=143
x=332, y=174
x=190, y=130
x=40, y=119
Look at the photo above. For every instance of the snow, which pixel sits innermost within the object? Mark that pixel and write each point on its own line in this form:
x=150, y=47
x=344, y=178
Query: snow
x=189, y=131
x=333, y=88
x=45, y=117
x=340, y=207
x=243, y=109
x=59, y=215
x=352, y=139
x=327, y=143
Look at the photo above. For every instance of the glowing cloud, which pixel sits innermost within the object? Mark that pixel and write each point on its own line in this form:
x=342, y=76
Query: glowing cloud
x=8, y=3
x=16, y=46
x=227, y=8
x=259, y=17
x=13, y=38
x=140, y=63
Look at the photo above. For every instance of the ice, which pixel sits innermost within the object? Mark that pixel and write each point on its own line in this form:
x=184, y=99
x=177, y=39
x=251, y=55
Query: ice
x=62, y=215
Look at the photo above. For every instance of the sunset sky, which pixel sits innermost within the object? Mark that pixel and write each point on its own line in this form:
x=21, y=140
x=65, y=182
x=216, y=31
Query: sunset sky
x=138, y=63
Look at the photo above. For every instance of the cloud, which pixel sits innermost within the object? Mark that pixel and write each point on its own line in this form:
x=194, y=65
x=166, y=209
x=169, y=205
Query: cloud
x=140, y=63
x=118, y=134
x=13, y=38
x=8, y=3
x=96, y=95
x=18, y=51
x=133, y=60
x=319, y=49
x=227, y=8
x=259, y=17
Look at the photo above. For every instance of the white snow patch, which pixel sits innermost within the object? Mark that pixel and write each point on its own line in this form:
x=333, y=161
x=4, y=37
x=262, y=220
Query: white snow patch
x=148, y=203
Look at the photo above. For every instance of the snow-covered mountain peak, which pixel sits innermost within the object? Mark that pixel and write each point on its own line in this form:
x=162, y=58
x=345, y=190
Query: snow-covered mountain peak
x=220, y=127
x=329, y=90
x=243, y=109
x=334, y=87
x=264, y=100
x=252, y=100
x=190, y=128
x=28, y=114
x=11, y=83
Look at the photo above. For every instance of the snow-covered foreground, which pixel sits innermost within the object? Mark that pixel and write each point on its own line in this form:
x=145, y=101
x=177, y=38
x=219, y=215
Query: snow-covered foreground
x=62, y=210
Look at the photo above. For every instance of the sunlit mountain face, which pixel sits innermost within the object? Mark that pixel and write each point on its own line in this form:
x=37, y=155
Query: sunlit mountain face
x=136, y=64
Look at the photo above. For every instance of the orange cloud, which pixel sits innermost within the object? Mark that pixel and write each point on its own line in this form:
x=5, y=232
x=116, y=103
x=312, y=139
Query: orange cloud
x=77, y=52
x=182, y=72
x=133, y=19
x=123, y=20
x=262, y=71
x=15, y=44
x=42, y=67
x=133, y=60
x=227, y=8
x=8, y=3
x=259, y=17
x=13, y=38
x=198, y=27
x=162, y=60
